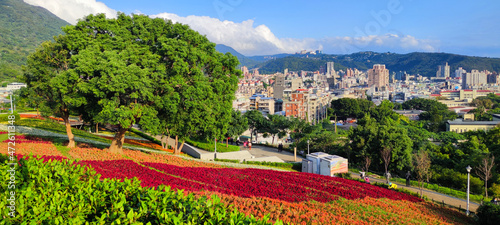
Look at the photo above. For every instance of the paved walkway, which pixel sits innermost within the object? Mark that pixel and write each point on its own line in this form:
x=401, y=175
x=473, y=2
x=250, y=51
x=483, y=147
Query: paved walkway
x=438, y=197
x=264, y=151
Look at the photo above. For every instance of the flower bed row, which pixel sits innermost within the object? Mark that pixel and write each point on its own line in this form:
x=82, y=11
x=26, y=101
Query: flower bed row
x=165, y=158
x=147, y=144
x=287, y=186
x=32, y=149
x=19, y=139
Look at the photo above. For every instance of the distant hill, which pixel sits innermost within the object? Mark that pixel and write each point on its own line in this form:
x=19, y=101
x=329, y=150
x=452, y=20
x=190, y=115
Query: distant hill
x=244, y=61
x=22, y=28
x=414, y=63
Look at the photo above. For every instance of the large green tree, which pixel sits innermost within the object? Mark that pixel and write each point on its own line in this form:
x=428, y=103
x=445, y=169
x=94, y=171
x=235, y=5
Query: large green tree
x=51, y=83
x=163, y=76
x=387, y=144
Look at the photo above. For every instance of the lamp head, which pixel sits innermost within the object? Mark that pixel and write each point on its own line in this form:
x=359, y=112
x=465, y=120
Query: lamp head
x=468, y=168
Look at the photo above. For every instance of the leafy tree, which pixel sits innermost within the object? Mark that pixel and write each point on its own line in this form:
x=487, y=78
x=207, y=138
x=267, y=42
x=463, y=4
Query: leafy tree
x=255, y=120
x=371, y=138
x=237, y=125
x=51, y=84
x=423, y=104
x=278, y=126
x=384, y=112
x=350, y=108
x=136, y=68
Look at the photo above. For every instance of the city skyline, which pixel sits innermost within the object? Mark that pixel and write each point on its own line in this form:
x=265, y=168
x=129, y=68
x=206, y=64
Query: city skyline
x=260, y=28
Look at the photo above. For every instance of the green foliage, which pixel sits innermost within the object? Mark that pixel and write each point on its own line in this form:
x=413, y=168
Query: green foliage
x=350, y=108
x=227, y=160
x=453, y=179
x=210, y=146
x=145, y=136
x=22, y=28
x=370, y=137
x=423, y=104
x=237, y=125
x=62, y=192
x=488, y=214
x=290, y=166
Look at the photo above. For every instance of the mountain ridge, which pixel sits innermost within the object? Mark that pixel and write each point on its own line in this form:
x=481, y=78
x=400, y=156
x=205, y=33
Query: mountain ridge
x=22, y=28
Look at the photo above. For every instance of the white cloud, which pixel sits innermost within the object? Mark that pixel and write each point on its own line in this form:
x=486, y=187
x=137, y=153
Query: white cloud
x=72, y=10
x=247, y=38
x=260, y=40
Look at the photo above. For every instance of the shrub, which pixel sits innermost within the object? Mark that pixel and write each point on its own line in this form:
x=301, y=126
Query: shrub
x=291, y=166
x=488, y=213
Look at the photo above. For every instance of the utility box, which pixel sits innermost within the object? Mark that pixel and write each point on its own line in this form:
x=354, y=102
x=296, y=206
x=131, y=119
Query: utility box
x=331, y=165
x=315, y=158
x=307, y=166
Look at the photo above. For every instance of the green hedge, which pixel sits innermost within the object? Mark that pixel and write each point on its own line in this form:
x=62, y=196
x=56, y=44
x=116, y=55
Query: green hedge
x=291, y=166
x=227, y=160
x=209, y=146
x=61, y=193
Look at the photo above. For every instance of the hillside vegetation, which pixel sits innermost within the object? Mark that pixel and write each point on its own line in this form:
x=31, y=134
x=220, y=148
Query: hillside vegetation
x=414, y=63
x=22, y=28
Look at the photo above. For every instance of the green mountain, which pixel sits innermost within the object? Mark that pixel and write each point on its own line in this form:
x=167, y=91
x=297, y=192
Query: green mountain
x=22, y=28
x=244, y=61
x=414, y=63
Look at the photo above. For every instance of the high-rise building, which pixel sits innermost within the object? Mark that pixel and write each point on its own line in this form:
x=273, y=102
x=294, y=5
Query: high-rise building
x=443, y=71
x=378, y=76
x=474, y=79
x=244, y=71
x=279, y=87
x=330, y=69
x=460, y=72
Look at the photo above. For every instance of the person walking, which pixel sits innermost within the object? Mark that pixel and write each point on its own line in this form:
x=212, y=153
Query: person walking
x=249, y=145
x=280, y=147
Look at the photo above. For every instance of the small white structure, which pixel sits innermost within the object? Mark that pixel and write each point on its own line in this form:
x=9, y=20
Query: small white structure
x=307, y=166
x=15, y=86
x=331, y=165
x=315, y=158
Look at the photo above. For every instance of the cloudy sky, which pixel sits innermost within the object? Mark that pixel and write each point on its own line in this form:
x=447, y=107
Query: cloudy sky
x=259, y=27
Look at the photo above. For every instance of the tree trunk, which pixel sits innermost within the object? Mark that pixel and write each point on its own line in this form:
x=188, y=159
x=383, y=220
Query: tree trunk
x=227, y=142
x=97, y=128
x=178, y=148
x=118, y=141
x=272, y=141
x=486, y=187
x=164, y=141
x=71, y=137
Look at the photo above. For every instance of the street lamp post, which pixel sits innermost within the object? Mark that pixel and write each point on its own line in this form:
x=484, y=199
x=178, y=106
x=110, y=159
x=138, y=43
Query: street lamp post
x=215, y=155
x=307, y=146
x=468, y=168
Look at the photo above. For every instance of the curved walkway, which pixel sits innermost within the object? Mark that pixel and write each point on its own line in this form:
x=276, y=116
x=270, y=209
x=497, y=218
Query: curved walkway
x=435, y=196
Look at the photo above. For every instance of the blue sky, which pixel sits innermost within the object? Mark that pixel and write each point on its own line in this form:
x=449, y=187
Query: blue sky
x=256, y=27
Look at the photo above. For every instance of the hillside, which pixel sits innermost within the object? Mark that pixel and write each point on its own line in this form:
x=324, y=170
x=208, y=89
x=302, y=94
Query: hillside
x=414, y=63
x=22, y=28
x=244, y=61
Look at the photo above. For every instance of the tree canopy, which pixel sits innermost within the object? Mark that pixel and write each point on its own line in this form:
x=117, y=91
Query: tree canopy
x=137, y=70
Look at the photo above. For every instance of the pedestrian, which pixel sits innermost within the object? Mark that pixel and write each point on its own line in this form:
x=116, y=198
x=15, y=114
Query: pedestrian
x=280, y=147
x=408, y=175
x=249, y=145
x=388, y=176
x=367, y=180
x=362, y=174
x=245, y=144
